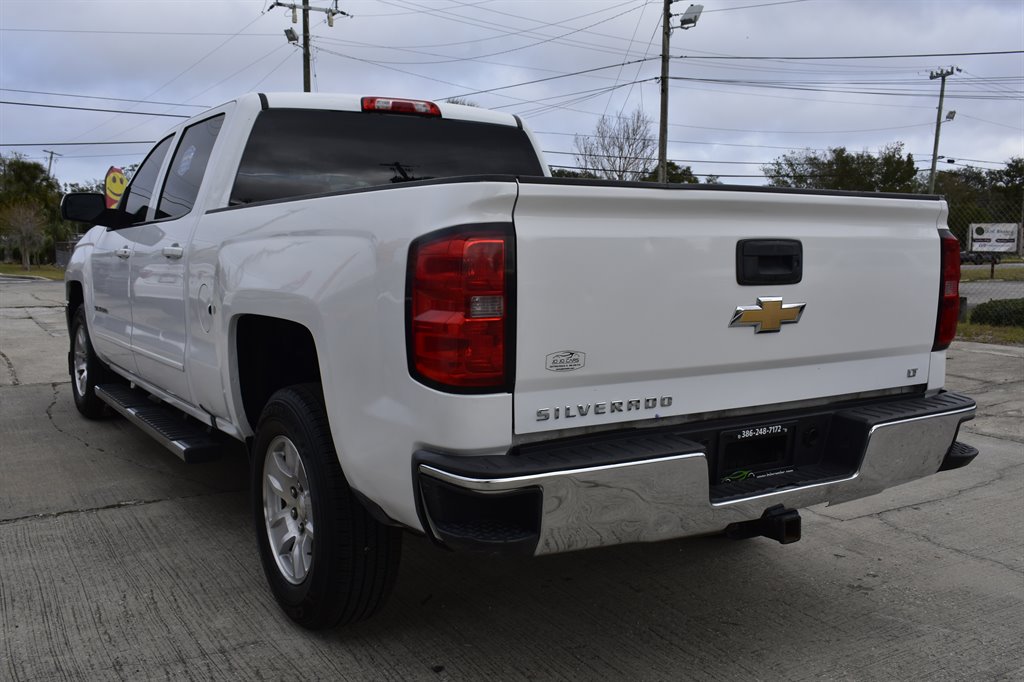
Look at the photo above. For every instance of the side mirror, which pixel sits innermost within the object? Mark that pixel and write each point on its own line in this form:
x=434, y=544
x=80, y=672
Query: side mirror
x=82, y=207
x=87, y=207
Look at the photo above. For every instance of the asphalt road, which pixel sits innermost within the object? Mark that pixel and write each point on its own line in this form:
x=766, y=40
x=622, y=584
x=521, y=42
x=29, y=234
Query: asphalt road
x=117, y=561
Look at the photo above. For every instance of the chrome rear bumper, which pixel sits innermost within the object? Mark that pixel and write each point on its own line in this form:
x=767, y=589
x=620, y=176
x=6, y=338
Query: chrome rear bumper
x=647, y=499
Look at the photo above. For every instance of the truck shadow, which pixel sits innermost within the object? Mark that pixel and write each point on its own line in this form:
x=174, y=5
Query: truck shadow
x=603, y=612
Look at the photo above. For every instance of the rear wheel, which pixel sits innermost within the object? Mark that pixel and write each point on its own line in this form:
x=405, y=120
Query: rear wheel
x=86, y=369
x=328, y=562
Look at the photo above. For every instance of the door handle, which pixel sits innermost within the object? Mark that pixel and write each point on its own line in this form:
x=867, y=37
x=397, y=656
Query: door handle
x=174, y=251
x=123, y=252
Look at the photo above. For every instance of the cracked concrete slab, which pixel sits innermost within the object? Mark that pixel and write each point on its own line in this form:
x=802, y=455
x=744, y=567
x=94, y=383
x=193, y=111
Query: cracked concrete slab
x=77, y=464
x=120, y=562
x=26, y=355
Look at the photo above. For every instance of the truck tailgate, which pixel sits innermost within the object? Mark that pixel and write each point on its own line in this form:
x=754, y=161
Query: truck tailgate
x=625, y=296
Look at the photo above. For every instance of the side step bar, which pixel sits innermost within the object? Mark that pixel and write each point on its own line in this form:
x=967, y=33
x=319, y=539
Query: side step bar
x=187, y=439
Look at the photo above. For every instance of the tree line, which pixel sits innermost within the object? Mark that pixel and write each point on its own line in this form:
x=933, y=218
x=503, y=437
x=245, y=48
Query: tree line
x=30, y=222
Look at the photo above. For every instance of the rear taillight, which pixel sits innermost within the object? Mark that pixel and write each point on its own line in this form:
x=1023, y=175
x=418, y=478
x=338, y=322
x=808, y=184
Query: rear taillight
x=949, y=292
x=459, y=316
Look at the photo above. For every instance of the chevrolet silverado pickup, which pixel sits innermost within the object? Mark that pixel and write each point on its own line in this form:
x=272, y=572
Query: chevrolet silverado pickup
x=411, y=326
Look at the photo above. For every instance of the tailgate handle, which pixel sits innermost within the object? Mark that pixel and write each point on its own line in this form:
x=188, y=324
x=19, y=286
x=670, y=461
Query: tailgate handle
x=769, y=261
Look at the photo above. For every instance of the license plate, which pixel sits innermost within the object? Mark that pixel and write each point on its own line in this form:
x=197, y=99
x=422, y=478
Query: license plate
x=755, y=451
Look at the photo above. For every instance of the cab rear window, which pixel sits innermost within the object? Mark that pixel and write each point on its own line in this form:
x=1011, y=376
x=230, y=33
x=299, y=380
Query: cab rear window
x=296, y=152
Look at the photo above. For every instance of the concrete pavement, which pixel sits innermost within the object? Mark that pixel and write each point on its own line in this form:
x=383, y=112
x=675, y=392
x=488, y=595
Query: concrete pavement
x=117, y=561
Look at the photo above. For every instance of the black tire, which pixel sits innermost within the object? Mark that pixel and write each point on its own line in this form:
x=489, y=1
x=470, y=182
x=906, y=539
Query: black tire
x=353, y=562
x=86, y=369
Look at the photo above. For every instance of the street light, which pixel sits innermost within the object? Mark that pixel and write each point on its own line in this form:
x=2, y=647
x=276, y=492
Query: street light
x=291, y=35
x=690, y=16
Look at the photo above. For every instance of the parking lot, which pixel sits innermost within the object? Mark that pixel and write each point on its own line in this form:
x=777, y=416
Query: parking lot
x=117, y=561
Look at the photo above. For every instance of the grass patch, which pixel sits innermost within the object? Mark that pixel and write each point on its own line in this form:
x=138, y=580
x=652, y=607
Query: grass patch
x=985, y=333
x=1003, y=272
x=47, y=271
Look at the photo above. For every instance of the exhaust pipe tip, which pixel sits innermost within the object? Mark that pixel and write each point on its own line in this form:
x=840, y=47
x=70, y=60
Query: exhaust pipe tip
x=777, y=523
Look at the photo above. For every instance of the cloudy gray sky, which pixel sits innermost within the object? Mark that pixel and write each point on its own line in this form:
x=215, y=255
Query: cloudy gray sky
x=737, y=102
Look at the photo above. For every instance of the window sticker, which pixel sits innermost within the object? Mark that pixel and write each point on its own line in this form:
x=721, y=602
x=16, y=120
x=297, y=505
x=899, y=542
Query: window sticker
x=186, y=161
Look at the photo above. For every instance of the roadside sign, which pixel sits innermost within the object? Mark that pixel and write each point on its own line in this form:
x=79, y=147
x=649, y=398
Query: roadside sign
x=994, y=237
x=114, y=183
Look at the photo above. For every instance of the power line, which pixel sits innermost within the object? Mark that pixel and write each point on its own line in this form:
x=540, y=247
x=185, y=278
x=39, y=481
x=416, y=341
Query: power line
x=401, y=14
x=182, y=73
x=109, y=99
x=640, y=61
x=549, y=39
x=747, y=94
x=518, y=100
x=764, y=4
x=1002, y=125
x=584, y=96
x=389, y=68
x=357, y=44
x=493, y=26
x=113, y=111
x=639, y=68
x=271, y=72
x=600, y=90
x=70, y=144
x=780, y=85
x=551, y=78
x=420, y=11
x=863, y=56
x=137, y=33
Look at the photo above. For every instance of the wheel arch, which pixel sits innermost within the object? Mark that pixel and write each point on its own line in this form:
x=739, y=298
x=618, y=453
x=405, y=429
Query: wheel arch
x=271, y=353
x=75, y=297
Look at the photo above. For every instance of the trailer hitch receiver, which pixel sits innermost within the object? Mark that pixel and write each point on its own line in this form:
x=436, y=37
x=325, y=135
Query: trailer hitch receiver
x=778, y=523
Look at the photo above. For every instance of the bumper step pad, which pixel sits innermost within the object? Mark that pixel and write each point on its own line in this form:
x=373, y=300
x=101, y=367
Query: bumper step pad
x=959, y=455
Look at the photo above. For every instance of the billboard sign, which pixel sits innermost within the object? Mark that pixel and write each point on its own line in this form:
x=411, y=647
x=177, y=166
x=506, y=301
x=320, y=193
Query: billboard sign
x=994, y=237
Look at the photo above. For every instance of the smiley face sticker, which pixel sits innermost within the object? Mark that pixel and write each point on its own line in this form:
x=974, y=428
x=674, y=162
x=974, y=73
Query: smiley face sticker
x=114, y=183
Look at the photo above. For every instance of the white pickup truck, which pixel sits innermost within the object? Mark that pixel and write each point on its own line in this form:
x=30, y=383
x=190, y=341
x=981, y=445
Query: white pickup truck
x=411, y=326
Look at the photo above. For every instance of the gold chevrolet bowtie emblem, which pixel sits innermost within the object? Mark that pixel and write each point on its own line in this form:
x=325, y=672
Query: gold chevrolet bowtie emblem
x=768, y=315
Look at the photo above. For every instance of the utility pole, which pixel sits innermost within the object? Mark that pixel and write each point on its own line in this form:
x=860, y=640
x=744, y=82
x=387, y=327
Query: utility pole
x=689, y=20
x=306, y=87
x=666, y=31
x=306, y=8
x=49, y=164
x=943, y=74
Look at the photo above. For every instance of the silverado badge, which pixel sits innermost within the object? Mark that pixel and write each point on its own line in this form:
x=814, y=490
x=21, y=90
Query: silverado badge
x=768, y=315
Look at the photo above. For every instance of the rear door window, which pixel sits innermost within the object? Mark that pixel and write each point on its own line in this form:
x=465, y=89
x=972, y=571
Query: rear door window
x=294, y=152
x=187, y=168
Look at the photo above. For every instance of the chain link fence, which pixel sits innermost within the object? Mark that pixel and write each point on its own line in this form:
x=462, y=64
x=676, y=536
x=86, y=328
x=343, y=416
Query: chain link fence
x=991, y=282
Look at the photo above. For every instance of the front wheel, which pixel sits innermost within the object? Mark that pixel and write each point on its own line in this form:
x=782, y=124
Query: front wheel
x=86, y=369
x=328, y=562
